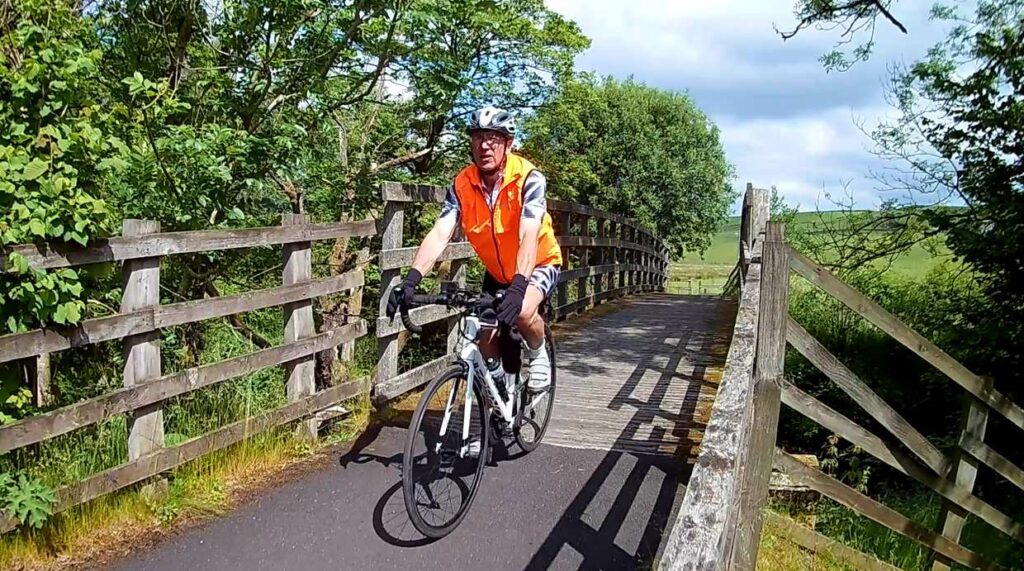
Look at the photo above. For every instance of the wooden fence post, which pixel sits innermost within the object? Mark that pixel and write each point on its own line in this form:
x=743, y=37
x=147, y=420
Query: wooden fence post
x=141, y=282
x=755, y=469
x=457, y=274
x=602, y=259
x=347, y=351
x=613, y=254
x=391, y=238
x=565, y=226
x=298, y=323
x=952, y=517
x=584, y=261
x=38, y=372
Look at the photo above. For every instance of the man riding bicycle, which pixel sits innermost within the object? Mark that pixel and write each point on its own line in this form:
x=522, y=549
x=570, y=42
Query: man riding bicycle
x=499, y=201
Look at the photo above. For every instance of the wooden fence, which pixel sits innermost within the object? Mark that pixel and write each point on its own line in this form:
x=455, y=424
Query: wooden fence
x=604, y=256
x=619, y=258
x=719, y=522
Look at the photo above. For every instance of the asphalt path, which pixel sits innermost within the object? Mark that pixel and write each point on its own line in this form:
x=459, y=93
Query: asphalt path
x=556, y=508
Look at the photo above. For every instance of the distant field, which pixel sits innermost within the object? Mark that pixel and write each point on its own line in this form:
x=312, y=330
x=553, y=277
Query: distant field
x=707, y=273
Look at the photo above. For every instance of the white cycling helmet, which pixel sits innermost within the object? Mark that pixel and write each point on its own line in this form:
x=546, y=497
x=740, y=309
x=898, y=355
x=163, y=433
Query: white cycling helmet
x=492, y=119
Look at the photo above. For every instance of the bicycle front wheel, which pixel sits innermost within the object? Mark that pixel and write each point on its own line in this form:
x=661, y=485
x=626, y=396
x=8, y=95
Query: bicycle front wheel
x=445, y=453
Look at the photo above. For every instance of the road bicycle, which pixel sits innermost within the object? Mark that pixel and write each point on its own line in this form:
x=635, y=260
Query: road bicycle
x=464, y=414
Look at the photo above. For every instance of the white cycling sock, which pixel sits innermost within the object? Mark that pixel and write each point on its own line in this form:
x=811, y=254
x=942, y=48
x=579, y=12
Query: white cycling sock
x=540, y=367
x=534, y=352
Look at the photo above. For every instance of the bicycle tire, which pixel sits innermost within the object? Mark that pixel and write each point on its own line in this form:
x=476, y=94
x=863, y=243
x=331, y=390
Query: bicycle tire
x=528, y=445
x=456, y=372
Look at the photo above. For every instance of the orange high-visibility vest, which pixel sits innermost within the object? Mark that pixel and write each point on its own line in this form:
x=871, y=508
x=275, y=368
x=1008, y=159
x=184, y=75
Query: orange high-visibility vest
x=495, y=234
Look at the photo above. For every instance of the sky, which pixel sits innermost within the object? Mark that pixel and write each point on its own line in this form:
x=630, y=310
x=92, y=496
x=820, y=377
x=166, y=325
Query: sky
x=784, y=120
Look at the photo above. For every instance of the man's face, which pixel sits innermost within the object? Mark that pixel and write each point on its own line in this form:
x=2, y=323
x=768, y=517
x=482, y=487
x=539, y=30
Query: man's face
x=489, y=148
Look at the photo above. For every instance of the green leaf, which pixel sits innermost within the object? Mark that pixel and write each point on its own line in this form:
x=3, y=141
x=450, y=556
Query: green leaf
x=73, y=311
x=60, y=316
x=34, y=169
x=37, y=227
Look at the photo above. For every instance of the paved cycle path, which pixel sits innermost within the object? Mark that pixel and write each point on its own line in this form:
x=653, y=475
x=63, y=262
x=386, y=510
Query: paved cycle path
x=596, y=495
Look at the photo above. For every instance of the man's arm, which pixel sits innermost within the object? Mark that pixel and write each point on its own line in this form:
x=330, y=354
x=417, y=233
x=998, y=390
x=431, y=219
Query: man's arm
x=439, y=236
x=535, y=205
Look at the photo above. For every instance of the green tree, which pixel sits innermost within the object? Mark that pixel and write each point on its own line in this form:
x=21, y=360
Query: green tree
x=632, y=149
x=57, y=154
x=961, y=132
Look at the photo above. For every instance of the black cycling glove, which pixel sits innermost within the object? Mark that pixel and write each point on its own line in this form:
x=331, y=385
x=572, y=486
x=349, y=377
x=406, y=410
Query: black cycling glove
x=512, y=304
x=403, y=292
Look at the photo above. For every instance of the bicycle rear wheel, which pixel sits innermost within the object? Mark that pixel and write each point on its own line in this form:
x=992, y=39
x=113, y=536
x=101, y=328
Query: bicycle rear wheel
x=441, y=471
x=534, y=414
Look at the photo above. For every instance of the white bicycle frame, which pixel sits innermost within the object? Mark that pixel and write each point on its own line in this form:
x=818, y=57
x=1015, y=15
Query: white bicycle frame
x=469, y=353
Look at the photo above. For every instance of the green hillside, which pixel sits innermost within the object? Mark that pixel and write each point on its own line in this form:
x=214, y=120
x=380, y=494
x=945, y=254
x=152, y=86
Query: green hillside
x=707, y=272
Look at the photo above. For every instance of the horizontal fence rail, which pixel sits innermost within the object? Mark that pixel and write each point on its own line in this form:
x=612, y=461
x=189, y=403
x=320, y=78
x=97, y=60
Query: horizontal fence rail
x=608, y=256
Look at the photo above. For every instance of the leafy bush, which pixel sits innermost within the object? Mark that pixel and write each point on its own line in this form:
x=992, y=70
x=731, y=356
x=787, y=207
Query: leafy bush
x=26, y=499
x=55, y=152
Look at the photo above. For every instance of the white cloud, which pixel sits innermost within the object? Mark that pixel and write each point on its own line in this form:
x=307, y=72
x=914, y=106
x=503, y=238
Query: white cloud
x=784, y=120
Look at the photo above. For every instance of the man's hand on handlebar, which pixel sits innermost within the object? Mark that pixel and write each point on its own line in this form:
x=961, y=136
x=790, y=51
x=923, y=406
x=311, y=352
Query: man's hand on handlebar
x=402, y=293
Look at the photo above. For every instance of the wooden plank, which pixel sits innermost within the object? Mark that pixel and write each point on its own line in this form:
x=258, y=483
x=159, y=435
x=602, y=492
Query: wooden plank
x=818, y=543
x=391, y=238
x=852, y=432
x=22, y=345
x=953, y=518
x=876, y=511
x=911, y=339
x=984, y=453
x=174, y=456
x=707, y=513
x=420, y=316
x=65, y=419
x=570, y=308
x=589, y=271
x=48, y=256
x=142, y=351
x=861, y=394
x=593, y=242
x=411, y=379
x=214, y=307
x=40, y=379
x=300, y=374
x=404, y=192
x=584, y=260
x=755, y=454
x=400, y=257
x=897, y=459
x=599, y=258
x=555, y=205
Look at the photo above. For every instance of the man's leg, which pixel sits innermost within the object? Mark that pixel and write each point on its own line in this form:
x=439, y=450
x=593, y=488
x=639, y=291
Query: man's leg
x=530, y=323
x=531, y=327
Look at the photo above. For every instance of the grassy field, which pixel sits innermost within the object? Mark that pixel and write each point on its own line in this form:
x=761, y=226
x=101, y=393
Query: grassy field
x=707, y=272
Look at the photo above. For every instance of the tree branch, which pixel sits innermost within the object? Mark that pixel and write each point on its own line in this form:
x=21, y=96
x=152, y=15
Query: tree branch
x=238, y=324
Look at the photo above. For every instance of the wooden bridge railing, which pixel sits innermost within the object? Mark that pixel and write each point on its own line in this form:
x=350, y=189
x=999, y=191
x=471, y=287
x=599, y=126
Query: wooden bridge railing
x=138, y=326
x=605, y=256
x=617, y=259
x=716, y=502
x=719, y=522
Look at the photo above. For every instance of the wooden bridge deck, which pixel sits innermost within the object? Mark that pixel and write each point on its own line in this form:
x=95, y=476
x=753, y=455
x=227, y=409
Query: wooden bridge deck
x=642, y=377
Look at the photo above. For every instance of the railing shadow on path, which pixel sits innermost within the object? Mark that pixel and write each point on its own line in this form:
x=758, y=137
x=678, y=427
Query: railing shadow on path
x=623, y=476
